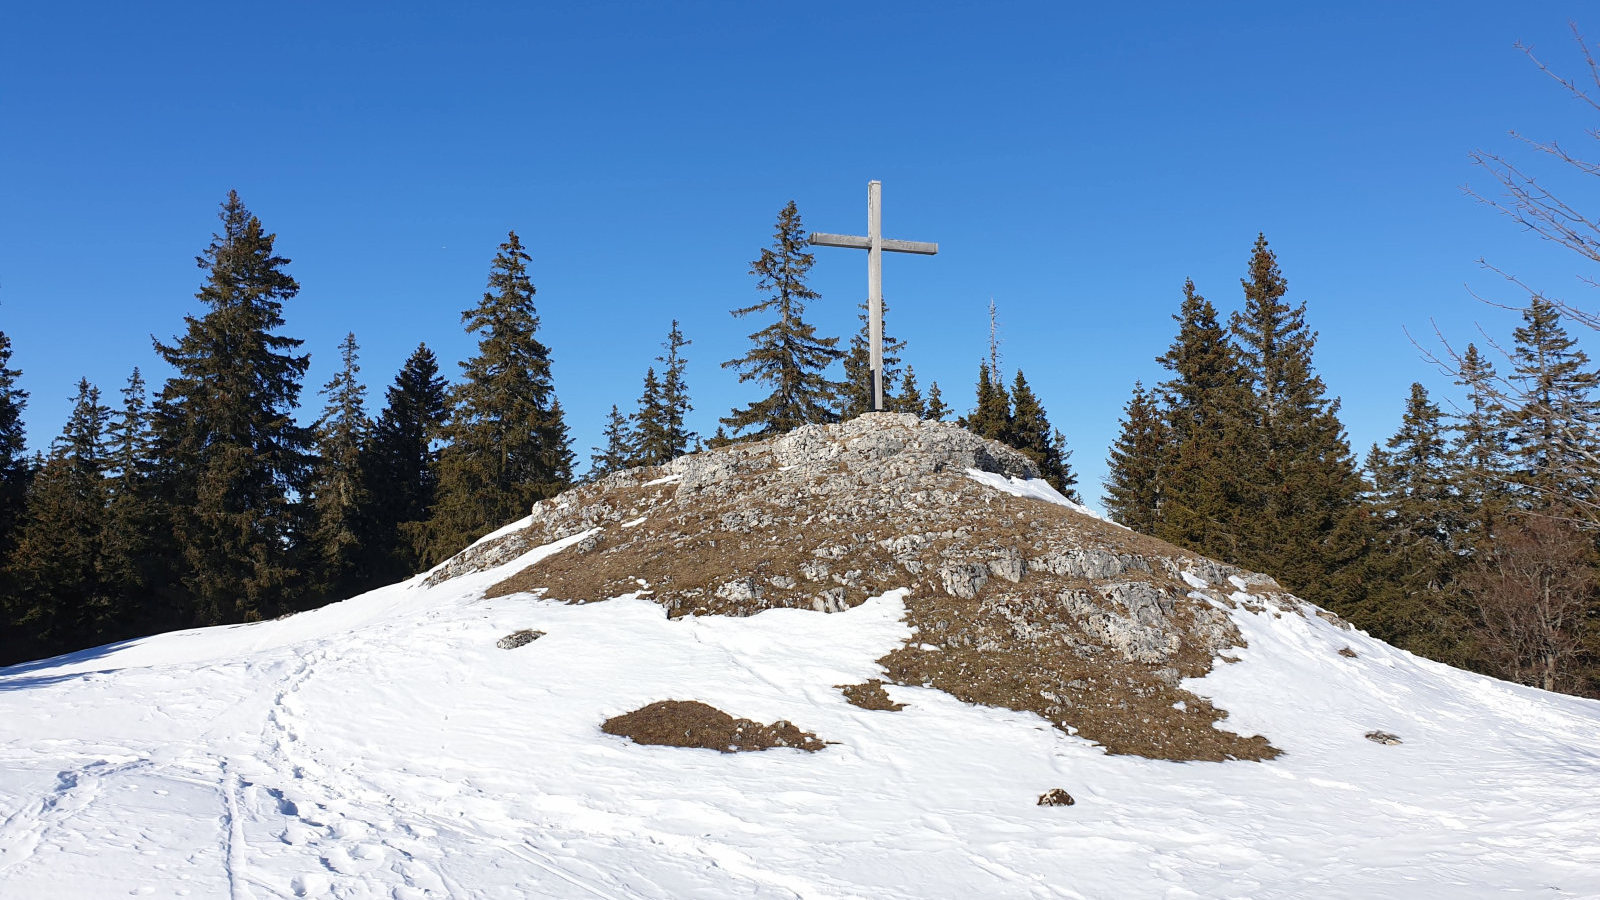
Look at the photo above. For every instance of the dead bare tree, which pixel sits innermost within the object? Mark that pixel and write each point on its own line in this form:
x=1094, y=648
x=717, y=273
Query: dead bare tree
x=1535, y=590
x=1530, y=203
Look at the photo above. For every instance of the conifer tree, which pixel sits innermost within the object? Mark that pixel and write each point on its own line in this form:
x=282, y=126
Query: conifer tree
x=621, y=447
x=855, y=393
x=673, y=437
x=991, y=417
x=1413, y=510
x=936, y=410
x=14, y=468
x=1030, y=431
x=139, y=554
x=507, y=443
x=1300, y=516
x=1133, y=480
x=909, y=399
x=1066, y=480
x=233, y=458
x=403, y=465
x=1554, y=430
x=341, y=506
x=660, y=433
x=56, y=563
x=787, y=355
x=649, y=438
x=1207, y=435
x=1479, y=452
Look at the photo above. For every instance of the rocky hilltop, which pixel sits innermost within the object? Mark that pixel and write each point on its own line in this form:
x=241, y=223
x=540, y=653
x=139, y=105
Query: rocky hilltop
x=1017, y=597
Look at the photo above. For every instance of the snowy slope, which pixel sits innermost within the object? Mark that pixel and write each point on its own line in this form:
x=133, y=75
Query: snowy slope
x=383, y=747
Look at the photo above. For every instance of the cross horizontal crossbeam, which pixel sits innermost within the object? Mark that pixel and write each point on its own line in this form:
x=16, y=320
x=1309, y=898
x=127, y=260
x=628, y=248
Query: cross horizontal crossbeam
x=874, y=243
x=857, y=242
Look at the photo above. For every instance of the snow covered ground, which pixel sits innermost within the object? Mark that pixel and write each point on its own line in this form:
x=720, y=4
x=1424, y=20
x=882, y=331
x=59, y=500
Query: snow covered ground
x=384, y=747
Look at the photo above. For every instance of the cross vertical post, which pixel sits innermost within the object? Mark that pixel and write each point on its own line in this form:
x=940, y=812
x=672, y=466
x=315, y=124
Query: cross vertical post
x=875, y=244
x=875, y=288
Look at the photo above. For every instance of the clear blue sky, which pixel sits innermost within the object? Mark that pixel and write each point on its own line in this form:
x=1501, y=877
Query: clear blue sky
x=1074, y=162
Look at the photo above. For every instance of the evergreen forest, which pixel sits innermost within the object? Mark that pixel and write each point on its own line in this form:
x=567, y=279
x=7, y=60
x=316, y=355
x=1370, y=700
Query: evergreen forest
x=1469, y=536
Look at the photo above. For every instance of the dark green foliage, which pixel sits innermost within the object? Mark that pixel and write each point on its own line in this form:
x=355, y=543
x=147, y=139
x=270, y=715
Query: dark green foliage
x=233, y=458
x=342, y=506
x=1299, y=517
x=991, y=417
x=14, y=468
x=909, y=400
x=1409, y=599
x=660, y=430
x=787, y=355
x=1208, y=435
x=855, y=393
x=936, y=410
x=1030, y=432
x=1133, y=481
x=1552, y=431
x=507, y=437
x=402, y=466
x=138, y=565
x=1479, y=450
x=621, y=443
x=60, y=601
x=1064, y=479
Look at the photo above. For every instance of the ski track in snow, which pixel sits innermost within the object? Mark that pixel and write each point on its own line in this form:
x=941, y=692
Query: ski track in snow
x=384, y=748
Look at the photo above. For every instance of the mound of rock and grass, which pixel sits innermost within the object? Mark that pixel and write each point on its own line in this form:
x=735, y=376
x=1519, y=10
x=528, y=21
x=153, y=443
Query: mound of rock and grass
x=690, y=723
x=1030, y=606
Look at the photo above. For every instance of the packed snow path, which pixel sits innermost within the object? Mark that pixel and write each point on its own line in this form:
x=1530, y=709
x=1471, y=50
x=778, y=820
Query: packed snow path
x=383, y=747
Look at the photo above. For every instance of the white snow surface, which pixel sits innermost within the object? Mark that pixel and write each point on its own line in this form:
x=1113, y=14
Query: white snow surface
x=1033, y=489
x=384, y=747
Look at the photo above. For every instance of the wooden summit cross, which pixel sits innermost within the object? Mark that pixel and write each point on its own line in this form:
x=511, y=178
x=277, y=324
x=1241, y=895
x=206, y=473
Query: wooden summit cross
x=874, y=243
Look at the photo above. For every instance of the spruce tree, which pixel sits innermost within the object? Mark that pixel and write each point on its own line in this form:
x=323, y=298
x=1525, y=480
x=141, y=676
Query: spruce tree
x=1408, y=599
x=1479, y=453
x=1207, y=435
x=1298, y=518
x=1030, y=431
x=341, y=504
x=936, y=410
x=855, y=392
x=991, y=417
x=139, y=567
x=1066, y=480
x=621, y=447
x=1552, y=431
x=1133, y=480
x=507, y=443
x=787, y=355
x=403, y=465
x=909, y=399
x=233, y=458
x=660, y=434
x=56, y=563
x=14, y=468
x=672, y=435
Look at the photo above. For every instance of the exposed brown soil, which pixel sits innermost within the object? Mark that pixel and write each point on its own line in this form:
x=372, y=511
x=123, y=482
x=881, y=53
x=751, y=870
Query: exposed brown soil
x=1024, y=637
x=690, y=723
x=870, y=695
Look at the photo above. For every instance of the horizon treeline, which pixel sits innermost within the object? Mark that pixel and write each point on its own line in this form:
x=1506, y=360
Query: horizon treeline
x=1466, y=537
x=202, y=501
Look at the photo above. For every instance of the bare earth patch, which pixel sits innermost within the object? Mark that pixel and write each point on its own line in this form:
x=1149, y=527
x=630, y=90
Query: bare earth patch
x=690, y=723
x=870, y=695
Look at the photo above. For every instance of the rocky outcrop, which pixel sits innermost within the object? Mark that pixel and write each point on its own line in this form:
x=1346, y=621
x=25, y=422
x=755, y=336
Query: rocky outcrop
x=1025, y=603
